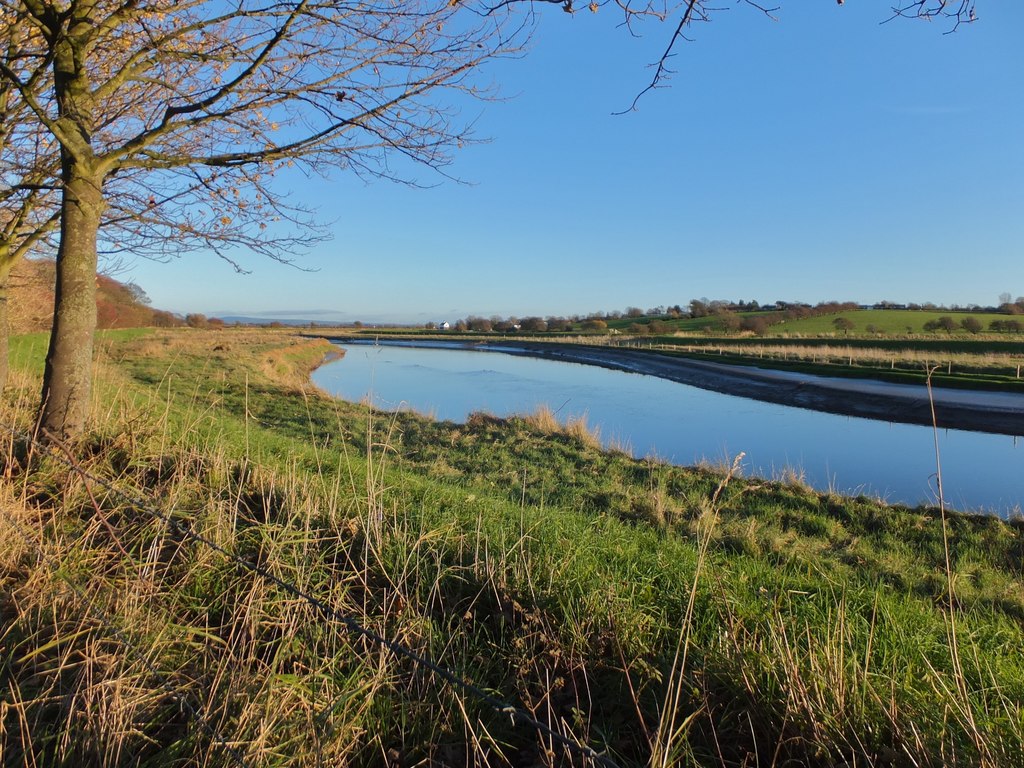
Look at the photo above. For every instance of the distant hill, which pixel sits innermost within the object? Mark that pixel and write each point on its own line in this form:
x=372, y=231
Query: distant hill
x=118, y=305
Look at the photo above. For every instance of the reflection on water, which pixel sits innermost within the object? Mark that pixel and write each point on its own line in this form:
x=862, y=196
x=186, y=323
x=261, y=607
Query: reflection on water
x=683, y=425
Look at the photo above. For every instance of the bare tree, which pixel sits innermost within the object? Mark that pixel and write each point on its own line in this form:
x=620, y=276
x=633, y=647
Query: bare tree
x=188, y=108
x=147, y=213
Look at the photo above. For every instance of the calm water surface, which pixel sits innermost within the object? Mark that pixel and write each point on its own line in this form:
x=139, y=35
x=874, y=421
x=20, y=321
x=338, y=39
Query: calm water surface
x=681, y=424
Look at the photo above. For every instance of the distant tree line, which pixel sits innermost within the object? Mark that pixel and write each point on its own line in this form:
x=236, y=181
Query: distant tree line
x=725, y=316
x=530, y=324
x=972, y=324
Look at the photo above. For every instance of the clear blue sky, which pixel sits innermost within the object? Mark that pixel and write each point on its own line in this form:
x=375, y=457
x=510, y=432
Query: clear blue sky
x=822, y=156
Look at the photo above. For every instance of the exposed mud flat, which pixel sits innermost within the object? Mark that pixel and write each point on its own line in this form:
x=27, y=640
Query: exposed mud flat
x=980, y=411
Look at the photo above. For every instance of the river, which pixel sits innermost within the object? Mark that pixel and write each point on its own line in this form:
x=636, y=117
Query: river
x=684, y=425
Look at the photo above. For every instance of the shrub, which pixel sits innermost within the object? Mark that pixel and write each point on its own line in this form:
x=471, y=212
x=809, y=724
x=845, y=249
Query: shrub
x=1009, y=326
x=971, y=324
x=728, y=321
x=756, y=325
x=944, y=323
x=162, y=319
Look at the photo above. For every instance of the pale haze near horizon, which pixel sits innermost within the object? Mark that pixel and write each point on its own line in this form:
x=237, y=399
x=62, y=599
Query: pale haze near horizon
x=823, y=156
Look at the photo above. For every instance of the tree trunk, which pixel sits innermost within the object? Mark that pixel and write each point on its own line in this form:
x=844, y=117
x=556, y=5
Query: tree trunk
x=5, y=331
x=67, y=378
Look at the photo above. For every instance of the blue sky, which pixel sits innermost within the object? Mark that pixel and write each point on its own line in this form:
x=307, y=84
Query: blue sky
x=822, y=156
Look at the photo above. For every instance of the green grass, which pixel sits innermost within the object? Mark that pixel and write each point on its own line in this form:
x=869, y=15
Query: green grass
x=886, y=321
x=28, y=352
x=816, y=628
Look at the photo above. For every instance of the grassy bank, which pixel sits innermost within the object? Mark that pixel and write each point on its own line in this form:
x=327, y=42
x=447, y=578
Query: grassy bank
x=662, y=615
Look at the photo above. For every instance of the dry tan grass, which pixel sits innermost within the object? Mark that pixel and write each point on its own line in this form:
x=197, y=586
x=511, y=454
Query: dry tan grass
x=839, y=354
x=544, y=420
x=577, y=427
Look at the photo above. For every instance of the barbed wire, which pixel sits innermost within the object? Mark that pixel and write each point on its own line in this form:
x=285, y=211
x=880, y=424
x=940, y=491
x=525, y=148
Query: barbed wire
x=519, y=716
x=103, y=618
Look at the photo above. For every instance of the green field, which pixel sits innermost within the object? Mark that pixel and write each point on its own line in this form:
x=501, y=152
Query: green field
x=661, y=615
x=885, y=321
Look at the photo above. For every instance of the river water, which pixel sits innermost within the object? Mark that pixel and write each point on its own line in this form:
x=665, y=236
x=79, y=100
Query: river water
x=681, y=424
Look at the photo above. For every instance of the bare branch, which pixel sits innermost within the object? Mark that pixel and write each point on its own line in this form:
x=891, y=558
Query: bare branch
x=956, y=13
x=661, y=67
